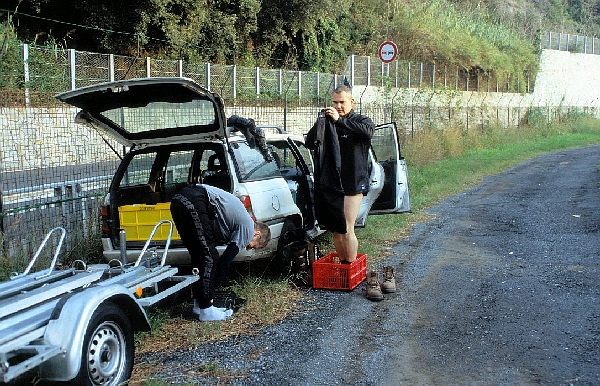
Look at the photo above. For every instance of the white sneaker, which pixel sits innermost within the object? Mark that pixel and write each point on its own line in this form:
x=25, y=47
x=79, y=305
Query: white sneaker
x=213, y=314
x=196, y=309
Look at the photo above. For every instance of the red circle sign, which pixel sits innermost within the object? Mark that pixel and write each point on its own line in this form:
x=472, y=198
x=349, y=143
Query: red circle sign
x=387, y=51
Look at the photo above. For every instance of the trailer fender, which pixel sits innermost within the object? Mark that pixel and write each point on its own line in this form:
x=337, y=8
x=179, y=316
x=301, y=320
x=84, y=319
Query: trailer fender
x=70, y=321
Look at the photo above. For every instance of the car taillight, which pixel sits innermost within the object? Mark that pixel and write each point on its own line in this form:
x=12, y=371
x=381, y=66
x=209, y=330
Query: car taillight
x=248, y=205
x=104, y=216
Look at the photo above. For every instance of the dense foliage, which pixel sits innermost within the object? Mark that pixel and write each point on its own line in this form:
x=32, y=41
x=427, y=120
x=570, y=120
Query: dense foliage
x=317, y=35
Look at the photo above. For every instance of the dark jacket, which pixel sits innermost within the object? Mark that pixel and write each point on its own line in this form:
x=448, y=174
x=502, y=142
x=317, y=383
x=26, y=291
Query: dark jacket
x=341, y=167
x=329, y=194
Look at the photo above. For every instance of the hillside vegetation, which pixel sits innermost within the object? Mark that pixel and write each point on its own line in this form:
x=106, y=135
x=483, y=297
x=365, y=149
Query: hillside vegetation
x=498, y=36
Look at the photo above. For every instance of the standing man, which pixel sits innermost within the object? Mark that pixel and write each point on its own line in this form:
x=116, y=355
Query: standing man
x=205, y=217
x=341, y=139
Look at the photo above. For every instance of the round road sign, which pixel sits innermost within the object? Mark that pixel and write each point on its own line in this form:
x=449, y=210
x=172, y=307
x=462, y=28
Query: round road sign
x=387, y=51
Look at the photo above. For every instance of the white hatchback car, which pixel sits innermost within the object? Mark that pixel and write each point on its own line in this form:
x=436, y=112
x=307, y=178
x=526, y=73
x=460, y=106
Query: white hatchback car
x=176, y=133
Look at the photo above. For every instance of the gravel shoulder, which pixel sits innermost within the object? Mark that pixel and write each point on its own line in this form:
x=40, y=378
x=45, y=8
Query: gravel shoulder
x=501, y=286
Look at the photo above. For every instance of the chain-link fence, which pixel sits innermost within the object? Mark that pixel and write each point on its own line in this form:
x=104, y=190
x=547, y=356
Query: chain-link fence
x=37, y=69
x=570, y=42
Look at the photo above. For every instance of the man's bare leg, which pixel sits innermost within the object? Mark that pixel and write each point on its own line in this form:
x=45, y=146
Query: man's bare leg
x=346, y=245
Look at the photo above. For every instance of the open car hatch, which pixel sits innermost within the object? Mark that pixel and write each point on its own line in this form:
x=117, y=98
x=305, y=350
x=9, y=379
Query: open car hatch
x=144, y=111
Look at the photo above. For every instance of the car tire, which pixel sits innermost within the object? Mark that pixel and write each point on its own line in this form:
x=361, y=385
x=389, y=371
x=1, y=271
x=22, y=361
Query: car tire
x=108, y=349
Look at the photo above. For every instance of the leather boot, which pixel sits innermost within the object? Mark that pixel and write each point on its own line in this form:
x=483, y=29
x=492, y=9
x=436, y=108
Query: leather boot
x=388, y=285
x=373, y=287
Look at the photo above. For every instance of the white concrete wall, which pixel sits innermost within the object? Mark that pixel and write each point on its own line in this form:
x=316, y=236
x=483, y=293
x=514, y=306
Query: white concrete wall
x=569, y=78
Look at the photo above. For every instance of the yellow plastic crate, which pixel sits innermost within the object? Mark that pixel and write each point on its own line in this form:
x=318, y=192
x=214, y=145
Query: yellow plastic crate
x=138, y=221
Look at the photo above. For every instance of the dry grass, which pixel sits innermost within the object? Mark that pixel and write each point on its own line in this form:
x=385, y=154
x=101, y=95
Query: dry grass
x=267, y=301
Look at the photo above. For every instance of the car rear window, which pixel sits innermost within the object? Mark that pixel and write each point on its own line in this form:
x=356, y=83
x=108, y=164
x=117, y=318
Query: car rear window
x=251, y=164
x=162, y=115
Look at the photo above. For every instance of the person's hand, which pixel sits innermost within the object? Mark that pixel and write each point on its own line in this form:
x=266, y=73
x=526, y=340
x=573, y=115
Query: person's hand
x=331, y=112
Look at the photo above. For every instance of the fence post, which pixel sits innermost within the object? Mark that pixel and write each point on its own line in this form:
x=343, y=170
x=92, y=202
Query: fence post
x=445, y=77
x=318, y=85
x=299, y=84
x=433, y=76
x=148, y=73
x=280, y=81
x=208, y=76
x=72, y=74
x=408, y=74
x=25, y=55
x=180, y=68
x=257, y=76
x=368, y=71
x=111, y=67
x=351, y=80
x=421, y=75
x=234, y=81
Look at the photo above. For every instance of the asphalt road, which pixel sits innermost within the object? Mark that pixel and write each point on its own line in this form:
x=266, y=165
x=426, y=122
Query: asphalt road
x=501, y=286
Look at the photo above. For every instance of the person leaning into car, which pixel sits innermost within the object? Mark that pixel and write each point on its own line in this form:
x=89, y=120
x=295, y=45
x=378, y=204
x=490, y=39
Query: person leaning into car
x=341, y=139
x=206, y=216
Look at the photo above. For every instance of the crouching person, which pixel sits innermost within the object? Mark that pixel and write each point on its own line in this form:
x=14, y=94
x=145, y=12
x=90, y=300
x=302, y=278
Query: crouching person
x=205, y=217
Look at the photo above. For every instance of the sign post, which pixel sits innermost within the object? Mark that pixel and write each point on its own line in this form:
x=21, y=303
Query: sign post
x=387, y=53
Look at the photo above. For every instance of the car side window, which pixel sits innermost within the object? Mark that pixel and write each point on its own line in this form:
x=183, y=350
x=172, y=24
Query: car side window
x=250, y=163
x=178, y=167
x=138, y=170
x=305, y=154
x=286, y=160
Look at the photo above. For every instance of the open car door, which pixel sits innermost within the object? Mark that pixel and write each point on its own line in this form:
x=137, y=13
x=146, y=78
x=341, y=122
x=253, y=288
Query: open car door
x=389, y=177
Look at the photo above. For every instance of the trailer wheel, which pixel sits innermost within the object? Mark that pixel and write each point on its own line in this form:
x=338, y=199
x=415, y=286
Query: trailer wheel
x=108, y=348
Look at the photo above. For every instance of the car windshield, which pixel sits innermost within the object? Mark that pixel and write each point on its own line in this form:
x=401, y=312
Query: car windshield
x=250, y=163
x=161, y=115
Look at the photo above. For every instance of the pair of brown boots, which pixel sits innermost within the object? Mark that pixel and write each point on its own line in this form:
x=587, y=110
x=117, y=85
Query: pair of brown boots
x=375, y=290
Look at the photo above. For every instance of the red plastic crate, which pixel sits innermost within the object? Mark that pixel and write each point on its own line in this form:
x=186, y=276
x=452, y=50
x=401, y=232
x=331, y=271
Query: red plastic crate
x=327, y=274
